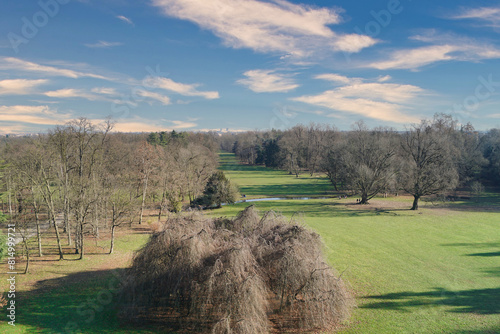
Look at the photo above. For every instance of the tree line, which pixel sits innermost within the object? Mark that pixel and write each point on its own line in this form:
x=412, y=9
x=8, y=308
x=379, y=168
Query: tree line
x=82, y=180
x=428, y=158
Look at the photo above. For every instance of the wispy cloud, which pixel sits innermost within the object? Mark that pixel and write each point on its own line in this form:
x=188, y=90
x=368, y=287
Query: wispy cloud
x=103, y=45
x=140, y=124
x=19, y=86
x=40, y=115
x=125, y=19
x=488, y=16
x=165, y=100
x=269, y=27
x=10, y=63
x=72, y=93
x=179, y=88
x=267, y=81
x=382, y=101
x=445, y=47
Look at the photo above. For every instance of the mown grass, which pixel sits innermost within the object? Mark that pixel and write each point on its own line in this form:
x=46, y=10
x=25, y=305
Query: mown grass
x=259, y=181
x=436, y=270
x=74, y=296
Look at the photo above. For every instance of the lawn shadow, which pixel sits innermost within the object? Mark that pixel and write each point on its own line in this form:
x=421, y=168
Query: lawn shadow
x=476, y=301
x=490, y=254
x=83, y=302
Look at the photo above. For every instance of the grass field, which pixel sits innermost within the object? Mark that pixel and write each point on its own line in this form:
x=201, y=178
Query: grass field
x=432, y=271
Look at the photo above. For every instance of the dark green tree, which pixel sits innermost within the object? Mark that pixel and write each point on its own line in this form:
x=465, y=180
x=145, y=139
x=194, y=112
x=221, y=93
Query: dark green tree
x=217, y=191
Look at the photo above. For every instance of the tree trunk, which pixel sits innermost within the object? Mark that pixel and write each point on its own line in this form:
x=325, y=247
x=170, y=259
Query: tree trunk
x=144, y=190
x=26, y=269
x=81, y=242
x=37, y=221
x=415, y=202
x=112, y=239
x=364, y=199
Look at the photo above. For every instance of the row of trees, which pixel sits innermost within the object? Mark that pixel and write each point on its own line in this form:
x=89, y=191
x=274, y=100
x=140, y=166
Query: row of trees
x=82, y=179
x=428, y=158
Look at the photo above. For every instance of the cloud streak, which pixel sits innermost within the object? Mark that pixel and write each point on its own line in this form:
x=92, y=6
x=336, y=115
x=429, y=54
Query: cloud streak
x=267, y=81
x=103, y=45
x=381, y=101
x=268, y=27
x=10, y=63
x=125, y=19
x=489, y=16
x=179, y=88
x=444, y=47
x=19, y=86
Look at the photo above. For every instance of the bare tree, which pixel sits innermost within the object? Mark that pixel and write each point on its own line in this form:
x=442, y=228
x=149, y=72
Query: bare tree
x=427, y=167
x=368, y=161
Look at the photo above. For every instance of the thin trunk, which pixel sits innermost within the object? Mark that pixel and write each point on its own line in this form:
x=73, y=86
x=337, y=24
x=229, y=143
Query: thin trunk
x=66, y=210
x=38, y=233
x=144, y=190
x=112, y=239
x=81, y=242
x=161, y=206
x=415, y=202
x=52, y=215
x=26, y=269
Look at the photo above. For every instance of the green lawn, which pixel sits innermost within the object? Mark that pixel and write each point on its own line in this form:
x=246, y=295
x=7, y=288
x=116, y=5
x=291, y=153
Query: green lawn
x=432, y=271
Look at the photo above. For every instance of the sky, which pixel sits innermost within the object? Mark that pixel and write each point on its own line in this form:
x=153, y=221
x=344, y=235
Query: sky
x=196, y=65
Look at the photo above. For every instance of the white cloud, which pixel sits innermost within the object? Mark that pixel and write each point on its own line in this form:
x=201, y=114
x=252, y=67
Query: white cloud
x=443, y=47
x=72, y=93
x=125, y=19
x=19, y=86
x=277, y=27
x=10, y=63
x=180, y=88
x=489, y=15
x=416, y=58
x=337, y=78
x=382, y=101
x=165, y=100
x=40, y=115
x=104, y=91
x=267, y=81
x=103, y=45
x=139, y=124
x=384, y=78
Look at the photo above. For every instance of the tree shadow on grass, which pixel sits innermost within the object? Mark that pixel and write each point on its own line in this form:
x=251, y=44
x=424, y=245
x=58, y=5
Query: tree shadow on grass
x=477, y=301
x=490, y=254
x=83, y=302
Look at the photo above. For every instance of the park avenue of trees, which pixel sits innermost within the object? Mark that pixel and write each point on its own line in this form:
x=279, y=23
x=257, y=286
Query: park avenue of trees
x=82, y=179
x=430, y=158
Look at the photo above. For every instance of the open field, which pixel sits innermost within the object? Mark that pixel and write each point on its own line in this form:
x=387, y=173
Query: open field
x=436, y=270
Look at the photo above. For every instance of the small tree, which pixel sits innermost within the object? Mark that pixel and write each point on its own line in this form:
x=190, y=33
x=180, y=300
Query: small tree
x=217, y=191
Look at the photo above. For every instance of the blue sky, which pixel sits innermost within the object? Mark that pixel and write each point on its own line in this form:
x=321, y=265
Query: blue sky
x=246, y=64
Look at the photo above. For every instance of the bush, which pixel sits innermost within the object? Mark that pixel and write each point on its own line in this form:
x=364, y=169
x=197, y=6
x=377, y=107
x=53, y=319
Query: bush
x=218, y=191
x=242, y=275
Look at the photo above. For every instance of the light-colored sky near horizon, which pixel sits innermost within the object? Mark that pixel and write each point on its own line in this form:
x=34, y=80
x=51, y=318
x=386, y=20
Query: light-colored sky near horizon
x=247, y=64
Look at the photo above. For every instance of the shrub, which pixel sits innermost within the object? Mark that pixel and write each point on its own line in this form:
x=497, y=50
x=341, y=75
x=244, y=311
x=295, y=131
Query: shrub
x=241, y=275
x=218, y=190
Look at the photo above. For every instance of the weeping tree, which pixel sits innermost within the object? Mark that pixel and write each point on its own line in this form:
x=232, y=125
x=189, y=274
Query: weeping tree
x=243, y=275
